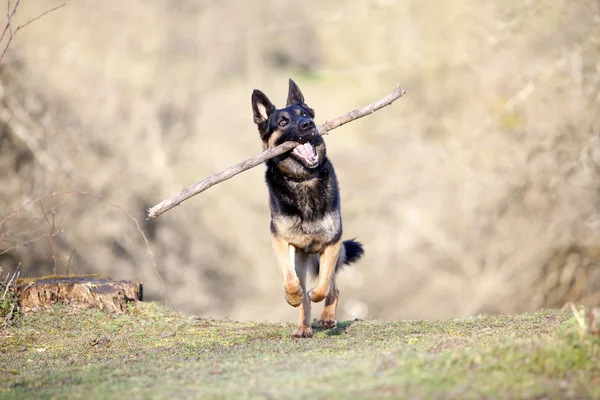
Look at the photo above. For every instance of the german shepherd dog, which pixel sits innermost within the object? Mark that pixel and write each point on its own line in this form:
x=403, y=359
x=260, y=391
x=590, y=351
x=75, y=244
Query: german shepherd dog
x=306, y=222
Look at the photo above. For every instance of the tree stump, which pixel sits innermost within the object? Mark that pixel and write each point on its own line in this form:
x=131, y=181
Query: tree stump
x=77, y=291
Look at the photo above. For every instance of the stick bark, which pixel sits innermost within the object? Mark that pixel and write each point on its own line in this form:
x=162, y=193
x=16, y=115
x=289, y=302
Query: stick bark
x=230, y=172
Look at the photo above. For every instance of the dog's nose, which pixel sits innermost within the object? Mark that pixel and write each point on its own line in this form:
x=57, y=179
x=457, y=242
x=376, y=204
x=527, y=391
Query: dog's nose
x=307, y=124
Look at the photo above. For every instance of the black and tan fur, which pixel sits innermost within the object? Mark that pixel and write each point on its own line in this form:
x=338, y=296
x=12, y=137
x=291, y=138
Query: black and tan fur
x=306, y=223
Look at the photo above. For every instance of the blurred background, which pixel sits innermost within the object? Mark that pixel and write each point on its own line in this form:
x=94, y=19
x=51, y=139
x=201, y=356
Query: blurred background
x=477, y=192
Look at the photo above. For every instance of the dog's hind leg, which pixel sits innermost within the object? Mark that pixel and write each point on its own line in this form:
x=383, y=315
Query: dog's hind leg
x=286, y=255
x=327, y=320
x=302, y=265
x=327, y=262
x=328, y=316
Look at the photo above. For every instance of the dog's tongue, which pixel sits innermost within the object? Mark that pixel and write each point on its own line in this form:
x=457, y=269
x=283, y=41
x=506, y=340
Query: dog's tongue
x=307, y=152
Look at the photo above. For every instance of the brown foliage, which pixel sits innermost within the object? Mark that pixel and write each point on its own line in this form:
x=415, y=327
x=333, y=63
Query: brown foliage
x=477, y=194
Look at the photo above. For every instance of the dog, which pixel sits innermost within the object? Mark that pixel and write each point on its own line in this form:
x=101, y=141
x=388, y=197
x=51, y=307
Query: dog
x=304, y=198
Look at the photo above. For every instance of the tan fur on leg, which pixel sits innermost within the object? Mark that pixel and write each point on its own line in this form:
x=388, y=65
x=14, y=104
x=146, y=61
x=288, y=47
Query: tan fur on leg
x=327, y=262
x=327, y=320
x=304, y=329
x=286, y=254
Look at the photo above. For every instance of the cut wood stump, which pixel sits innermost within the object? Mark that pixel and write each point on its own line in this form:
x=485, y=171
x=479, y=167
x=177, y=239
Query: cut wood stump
x=77, y=291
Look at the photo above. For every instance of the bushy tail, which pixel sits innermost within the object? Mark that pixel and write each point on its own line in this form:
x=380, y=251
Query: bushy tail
x=353, y=251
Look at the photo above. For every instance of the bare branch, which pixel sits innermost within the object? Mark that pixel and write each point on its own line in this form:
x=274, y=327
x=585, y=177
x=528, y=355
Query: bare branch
x=55, y=232
x=9, y=16
x=40, y=16
x=8, y=27
x=230, y=172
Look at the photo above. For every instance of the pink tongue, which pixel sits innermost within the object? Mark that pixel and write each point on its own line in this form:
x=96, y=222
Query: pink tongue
x=306, y=151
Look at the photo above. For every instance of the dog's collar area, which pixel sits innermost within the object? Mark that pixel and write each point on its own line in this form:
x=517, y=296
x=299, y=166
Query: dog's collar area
x=291, y=179
x=298, y=180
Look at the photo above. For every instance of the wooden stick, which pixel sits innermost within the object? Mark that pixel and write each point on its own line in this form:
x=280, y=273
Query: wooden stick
x=219, y=177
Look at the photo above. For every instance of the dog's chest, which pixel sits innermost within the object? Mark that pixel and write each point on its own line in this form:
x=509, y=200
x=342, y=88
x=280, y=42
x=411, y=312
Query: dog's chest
x=305, y=213
x=310, y=235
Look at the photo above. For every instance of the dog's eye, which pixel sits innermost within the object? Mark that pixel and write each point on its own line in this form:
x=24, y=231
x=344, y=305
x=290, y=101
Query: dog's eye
x=304, y=114
x=283, y=122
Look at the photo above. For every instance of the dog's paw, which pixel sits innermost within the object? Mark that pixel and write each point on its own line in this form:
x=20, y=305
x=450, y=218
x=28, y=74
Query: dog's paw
x=303, y=332
x=317, y=295
x=294, y=297
x=327, y=323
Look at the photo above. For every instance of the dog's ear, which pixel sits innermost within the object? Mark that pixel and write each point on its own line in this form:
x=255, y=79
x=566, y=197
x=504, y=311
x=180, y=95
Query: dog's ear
x=262, y=108
x=295, y=96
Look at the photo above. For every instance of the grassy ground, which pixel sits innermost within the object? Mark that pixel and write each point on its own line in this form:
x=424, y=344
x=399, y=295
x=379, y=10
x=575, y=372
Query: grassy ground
x=152, y=352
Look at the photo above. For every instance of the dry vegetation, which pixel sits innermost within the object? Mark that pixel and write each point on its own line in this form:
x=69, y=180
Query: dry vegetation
x=476, y=192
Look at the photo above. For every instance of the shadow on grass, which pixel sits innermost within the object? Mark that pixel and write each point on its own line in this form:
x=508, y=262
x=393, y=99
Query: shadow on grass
x=339, y=329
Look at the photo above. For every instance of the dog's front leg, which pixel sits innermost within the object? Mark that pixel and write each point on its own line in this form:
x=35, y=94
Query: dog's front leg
x=286, y=254
x=327, y=262
x=304, y=329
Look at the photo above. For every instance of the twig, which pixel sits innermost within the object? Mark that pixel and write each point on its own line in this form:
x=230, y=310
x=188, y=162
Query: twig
x=33, y=240
x=8, y=27
x=40, y=16
x=39, y=199
x=142, y=234
x=230, y=172
x=580, y=320
x=69, y=261
x=9, y=281
x=9, y=315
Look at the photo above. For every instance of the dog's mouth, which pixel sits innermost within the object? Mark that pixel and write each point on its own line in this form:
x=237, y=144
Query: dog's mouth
x=307, y=154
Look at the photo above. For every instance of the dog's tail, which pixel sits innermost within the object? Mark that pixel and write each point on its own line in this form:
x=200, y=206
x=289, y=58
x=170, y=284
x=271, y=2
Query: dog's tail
x=352, y=251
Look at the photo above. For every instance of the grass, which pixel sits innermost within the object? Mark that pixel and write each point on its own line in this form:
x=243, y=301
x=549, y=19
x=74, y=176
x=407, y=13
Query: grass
x=9, y=308
x=152, y=352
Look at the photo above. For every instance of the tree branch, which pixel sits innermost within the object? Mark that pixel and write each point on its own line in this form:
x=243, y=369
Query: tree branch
x=230, y=172
x=8, y=27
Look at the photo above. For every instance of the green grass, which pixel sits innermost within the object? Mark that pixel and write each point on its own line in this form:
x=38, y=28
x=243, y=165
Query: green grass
x=8, y=304
x=152, y=352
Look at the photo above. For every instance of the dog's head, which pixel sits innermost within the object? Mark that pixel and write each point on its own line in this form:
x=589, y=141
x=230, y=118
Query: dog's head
x=292, y=123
